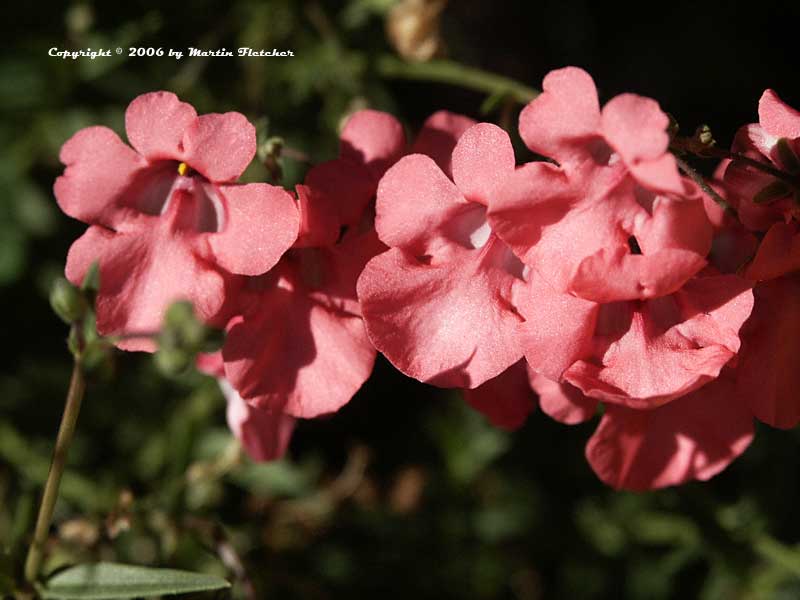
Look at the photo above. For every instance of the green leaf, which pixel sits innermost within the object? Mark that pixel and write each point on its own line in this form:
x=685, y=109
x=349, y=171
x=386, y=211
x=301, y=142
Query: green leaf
x=113, y=580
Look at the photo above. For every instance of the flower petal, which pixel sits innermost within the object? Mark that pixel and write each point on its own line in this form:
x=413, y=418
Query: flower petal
x=766, y=373
x=100, y=168
x=220, y=146
x=261, y=222
x=414, y=204
x=778, y=118
x=650, y=352
x=447, y=324
x=155, y=124
x=506, y=400
x=373, y=139
x=142, y=271
x=482, y=160
x=295, y=355
x=264, y=435
x=561, y=401
x=778, y=253
x=558, y=327
x=320, y=224
x=342, y=188
x=690, y=438
x=563, y=117
x=614, y=275
x=438, y=137
x=636, y=127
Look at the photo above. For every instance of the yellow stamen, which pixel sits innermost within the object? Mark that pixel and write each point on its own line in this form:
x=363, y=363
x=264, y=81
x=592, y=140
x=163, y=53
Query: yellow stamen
x=183, y=168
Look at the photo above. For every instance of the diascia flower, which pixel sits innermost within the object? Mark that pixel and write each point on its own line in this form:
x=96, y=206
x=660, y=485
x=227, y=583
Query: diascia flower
x=764, y=202
x=614, y=221
x=765, y=372
x=615, y=240
x=166, y=221
x=691, y=438
x=437, y=304
x=297, y=343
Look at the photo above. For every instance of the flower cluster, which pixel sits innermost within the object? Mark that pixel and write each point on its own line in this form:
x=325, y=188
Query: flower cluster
x=595, y=278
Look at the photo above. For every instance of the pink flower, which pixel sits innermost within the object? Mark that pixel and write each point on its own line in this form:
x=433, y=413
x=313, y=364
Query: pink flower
x=297, y=344
x=166, y=222
x=437, y=304
x=691, y=438
x=615, y=220
x=640, y=353
x=766, y=203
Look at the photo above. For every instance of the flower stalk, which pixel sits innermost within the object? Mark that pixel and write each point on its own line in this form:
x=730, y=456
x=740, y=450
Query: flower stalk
x=66, y=431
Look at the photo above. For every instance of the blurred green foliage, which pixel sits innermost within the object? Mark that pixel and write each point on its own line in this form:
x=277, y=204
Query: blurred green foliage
x=406, y=492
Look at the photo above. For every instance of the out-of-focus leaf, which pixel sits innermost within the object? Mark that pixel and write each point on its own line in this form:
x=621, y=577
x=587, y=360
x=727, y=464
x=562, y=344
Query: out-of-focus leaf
x=467, y=441
x=106, y=581
x=279, y=478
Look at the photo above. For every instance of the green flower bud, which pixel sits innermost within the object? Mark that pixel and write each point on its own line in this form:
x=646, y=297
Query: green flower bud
x=67, y=301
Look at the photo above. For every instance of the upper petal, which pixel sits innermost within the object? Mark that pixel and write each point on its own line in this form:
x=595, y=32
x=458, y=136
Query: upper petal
x=636, y=127
x=220, y=146
x=373, y=139
x=559, y=121
x=438, y=137
x=155, y=124
x=341, y=188
x=261, y=222
x=482, y=160
x=690, y=438
x=100, y=168
x=778, y=118
x=449, y=324
x=415, y=202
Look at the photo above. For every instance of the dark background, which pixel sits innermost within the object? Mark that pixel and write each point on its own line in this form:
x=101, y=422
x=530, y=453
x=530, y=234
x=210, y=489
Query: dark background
x=405, y=492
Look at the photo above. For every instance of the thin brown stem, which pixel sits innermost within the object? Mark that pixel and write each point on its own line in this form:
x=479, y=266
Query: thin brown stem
x=699, y=180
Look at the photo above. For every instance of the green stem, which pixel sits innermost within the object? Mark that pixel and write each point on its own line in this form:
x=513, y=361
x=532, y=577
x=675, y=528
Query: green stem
x=446, y=71
x=77, y=386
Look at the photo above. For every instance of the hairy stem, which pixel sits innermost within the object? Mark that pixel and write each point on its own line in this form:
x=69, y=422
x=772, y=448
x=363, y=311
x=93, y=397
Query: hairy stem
x=77, y=386
x=698, y=179
x=446, y=71
x=706, y=151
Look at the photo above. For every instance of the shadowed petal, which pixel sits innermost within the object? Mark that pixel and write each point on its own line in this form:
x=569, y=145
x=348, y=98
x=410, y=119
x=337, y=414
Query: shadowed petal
x=506, y=400
x=690, y=438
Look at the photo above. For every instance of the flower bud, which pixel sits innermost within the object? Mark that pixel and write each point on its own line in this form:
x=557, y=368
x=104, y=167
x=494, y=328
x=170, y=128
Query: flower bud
x=67, y=301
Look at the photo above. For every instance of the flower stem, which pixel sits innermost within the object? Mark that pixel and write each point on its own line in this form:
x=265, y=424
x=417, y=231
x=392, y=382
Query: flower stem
x=698, y=179
x=66, y=430
x=446, y=71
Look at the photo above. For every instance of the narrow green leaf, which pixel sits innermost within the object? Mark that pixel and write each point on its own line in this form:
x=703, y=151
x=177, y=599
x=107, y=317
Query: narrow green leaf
x=113, y=580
